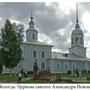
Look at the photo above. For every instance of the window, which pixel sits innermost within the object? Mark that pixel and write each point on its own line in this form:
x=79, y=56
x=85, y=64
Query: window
x=42, y=65
x=76, y=39
x=34, y=54
x=73, y=67
x=43, y=54
x=66, y=67
x=33, y=36
x=58, y=66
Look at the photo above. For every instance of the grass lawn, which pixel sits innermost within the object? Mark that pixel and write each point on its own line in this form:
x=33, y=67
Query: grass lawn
x=32, y=81
x=7, y=77
x=88, y=75
x=63, y=76
x=67, y=76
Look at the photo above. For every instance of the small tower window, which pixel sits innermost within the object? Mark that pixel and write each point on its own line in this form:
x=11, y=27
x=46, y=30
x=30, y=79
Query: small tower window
x=33, y=36
x=76, y=39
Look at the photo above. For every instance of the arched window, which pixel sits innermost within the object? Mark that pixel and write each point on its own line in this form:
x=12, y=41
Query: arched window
x=33, y=36
x=76, y=39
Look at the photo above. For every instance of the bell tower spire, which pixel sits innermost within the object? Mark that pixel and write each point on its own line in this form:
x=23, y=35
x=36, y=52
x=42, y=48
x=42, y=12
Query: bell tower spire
x=77, y=39
x=77, y=13
x=31, y=16
x=77, y=20
x=31, y=33
x=31, y=23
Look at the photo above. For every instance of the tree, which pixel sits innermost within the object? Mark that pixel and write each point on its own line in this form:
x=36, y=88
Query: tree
x=1, y=64
x=11, y=50
x=19, y=29
x=20, y=32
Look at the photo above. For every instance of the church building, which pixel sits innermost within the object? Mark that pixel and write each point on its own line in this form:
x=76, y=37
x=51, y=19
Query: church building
x=54, y=62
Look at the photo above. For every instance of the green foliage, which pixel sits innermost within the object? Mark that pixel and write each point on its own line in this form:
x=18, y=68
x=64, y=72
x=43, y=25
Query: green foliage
x=20, y=32
x=32, y=81
x=1, y=65
x=11, y=50
x=69, y=72
x=30, y=72
x=6, y=77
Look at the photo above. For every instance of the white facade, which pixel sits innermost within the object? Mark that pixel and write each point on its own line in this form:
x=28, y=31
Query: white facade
x=62, y=63
x=36, y=51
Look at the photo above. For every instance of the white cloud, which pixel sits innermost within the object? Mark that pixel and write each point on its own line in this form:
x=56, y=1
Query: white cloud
x=86, y=20
x=44, y=38
x=15, y=21
x=1, y=19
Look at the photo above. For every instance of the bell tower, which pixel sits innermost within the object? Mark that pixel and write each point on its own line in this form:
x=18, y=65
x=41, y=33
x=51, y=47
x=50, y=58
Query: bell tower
x=31, y=33
x=77, y=39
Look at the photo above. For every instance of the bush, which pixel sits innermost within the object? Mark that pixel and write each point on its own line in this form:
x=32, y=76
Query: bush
x=30, y=72
x=88, y=71
x=88, y=78
x=69, y=72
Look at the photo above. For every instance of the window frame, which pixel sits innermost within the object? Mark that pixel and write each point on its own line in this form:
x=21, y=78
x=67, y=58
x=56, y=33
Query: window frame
x=43, y=54
x=33, y=35
x=34, y=54
x=42, y=65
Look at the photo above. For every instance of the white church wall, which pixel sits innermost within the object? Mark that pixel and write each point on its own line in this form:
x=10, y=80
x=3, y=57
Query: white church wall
x=29, y=59
x=68, y=65
x=80, y=51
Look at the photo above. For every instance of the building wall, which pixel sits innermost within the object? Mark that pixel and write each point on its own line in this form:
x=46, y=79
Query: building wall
x=28, y=61
x=62, y=66
x=80, y=51
x=31, y=35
